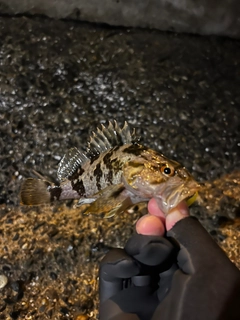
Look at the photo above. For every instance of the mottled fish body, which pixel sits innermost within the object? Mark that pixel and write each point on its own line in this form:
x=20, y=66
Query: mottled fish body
x=114, y=173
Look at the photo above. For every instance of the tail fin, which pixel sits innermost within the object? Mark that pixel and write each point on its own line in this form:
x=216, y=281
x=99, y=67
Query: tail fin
x=35, y=191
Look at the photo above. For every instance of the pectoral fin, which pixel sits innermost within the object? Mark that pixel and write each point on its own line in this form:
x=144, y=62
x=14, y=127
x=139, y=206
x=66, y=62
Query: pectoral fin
x=85, y=201
x=111, y=200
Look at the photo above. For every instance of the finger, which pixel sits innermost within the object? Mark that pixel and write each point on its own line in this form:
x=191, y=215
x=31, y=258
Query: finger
x=181, y=211
x=150, y=225
x=178, y=213
x=117, y=264
x=155, y=210
x=150, y=250
x=154, y=222
x=114, y=268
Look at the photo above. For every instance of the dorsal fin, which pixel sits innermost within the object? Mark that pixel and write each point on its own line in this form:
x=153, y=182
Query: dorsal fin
x=112, y=136
x=104, y=139
x=72, y=160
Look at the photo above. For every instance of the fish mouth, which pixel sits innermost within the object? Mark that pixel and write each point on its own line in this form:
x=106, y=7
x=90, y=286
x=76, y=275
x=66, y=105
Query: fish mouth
x=169, y=194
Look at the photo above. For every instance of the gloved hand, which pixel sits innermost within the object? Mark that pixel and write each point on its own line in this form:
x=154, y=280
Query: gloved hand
x=184, y=276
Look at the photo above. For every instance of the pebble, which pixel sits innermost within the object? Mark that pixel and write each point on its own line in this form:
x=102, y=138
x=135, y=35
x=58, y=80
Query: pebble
x=82, y=317
x=3, y=281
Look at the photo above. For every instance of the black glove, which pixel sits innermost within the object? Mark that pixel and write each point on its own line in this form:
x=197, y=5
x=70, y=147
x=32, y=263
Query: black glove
x=184, y=277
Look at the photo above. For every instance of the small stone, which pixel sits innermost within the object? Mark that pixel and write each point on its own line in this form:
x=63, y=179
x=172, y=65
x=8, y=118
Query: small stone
x=25, y=246
x=53, y=275
x=16, y=237
x=15, y=286
x=3, y=281
x=81, y=317
x=64, y=311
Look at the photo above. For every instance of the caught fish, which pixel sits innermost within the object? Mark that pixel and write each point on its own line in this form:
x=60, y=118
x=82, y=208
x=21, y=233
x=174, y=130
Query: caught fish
x=114, y=173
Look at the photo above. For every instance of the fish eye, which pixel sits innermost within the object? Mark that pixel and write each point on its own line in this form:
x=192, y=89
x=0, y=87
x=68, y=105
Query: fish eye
x=167, y=171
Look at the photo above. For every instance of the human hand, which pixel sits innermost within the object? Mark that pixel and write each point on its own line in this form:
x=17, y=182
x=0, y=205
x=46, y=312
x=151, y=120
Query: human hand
x=156, y=223
x=154, y=278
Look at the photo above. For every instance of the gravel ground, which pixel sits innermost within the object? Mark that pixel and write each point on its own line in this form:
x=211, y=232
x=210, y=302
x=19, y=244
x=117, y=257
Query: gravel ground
x=58, y=81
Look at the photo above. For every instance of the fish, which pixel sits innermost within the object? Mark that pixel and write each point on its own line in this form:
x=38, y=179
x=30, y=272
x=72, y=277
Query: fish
x=114, y=173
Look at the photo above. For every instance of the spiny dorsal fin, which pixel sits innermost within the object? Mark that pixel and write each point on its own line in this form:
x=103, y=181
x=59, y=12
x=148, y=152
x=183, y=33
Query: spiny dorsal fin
x=103, y=140
x=112, y=136
x=72, y=160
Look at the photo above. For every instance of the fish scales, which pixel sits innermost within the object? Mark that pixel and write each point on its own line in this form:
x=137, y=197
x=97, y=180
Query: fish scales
x=105, y=170
x=114, y=173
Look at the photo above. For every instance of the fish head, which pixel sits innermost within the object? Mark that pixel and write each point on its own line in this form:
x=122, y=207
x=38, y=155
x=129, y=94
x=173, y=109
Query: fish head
x=154, y=175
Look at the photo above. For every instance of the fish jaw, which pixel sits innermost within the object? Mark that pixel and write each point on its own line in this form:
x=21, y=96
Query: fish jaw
x=169, y=194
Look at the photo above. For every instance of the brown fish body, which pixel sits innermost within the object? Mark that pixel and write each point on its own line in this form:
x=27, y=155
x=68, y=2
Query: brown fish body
x=103, y=170
x=115, y=172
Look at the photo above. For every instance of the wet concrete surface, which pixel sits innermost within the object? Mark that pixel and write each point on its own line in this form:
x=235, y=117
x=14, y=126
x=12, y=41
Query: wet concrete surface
x=202, y=17
x=58, y=81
